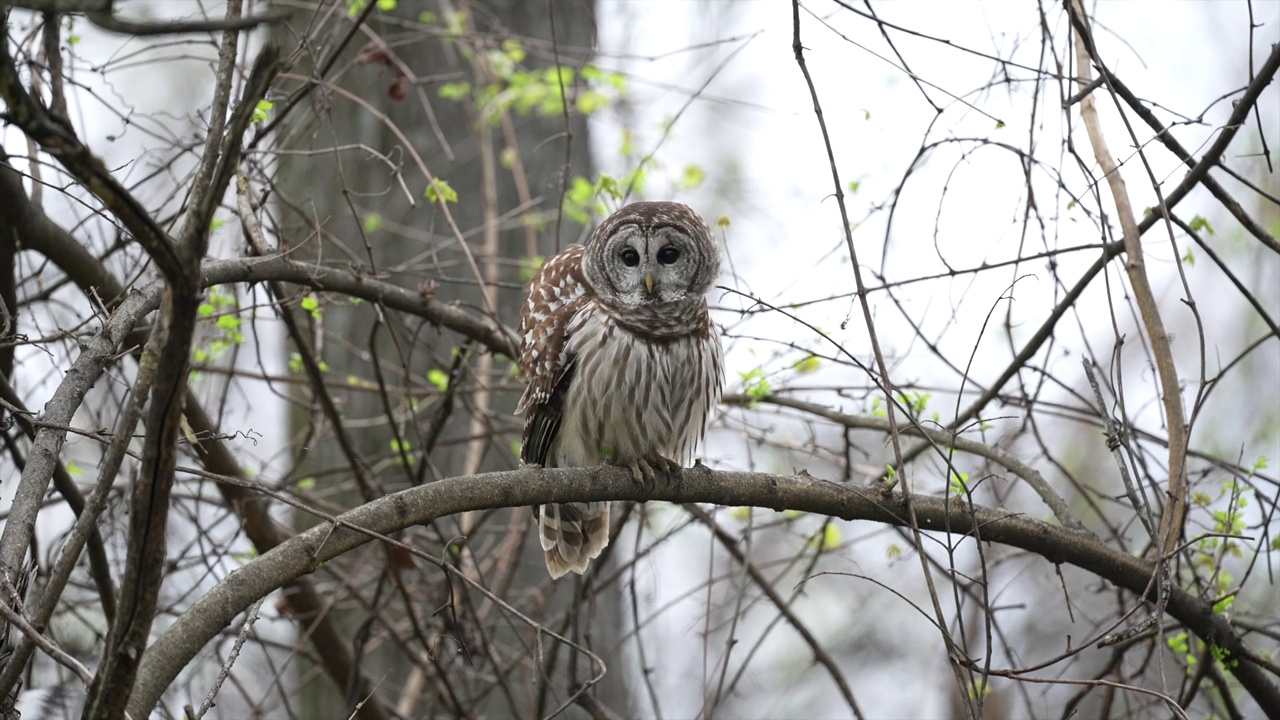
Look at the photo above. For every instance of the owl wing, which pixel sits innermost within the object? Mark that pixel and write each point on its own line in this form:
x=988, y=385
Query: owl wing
x=556, y=294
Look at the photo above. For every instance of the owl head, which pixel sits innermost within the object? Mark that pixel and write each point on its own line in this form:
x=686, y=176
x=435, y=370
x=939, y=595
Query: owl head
x=650, y=255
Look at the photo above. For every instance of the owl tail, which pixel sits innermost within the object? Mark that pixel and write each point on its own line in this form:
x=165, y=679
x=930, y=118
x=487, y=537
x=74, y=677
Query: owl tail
x=572, y=534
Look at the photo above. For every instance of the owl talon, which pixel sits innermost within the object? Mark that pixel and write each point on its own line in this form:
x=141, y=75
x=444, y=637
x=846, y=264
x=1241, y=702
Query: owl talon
x=672, y=471
x=643, y=474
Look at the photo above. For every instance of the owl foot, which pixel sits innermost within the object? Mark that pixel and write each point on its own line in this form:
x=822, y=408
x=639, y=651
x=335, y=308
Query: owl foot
x=647, y=471
x=672, y=470
x=642, y=472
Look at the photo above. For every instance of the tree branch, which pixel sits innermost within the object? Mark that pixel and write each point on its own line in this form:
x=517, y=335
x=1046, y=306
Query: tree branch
x=1175, y=511
x=420, y=505
x=940, y=437
x=1214, y=155
x=101, y=13
x=59, y=139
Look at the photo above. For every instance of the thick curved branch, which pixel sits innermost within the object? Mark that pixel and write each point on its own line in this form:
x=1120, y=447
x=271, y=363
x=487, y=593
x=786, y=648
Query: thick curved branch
x=97, y=353
x=303, y=553
x=1174, y=517
x=115, y=24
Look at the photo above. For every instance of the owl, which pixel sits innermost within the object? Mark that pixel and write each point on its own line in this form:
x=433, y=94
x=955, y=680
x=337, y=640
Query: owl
x=622, y=362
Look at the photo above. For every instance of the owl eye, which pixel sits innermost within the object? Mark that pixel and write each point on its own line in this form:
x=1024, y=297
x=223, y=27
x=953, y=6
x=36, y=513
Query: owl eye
x=630, y=257
x=668, y=255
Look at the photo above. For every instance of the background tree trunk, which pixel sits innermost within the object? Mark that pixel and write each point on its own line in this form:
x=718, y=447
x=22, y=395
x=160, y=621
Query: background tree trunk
x=507, y=171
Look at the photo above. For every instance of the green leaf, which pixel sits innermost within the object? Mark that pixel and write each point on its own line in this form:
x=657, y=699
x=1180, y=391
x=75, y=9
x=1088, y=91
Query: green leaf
x=514, y=50
x=529, y=266
x=307, y=483
x=692, y=177
x=72, y=468
x=386, y=5
x=807, y=365
x=755, y=385
x=440, y=191
x=228, y=322
x=439, y=378
x=454, y=91
x=828, y=539
x=206, y=309
x=372, y=221
x=590, y=101
x=455, y=22
x=876, y=410
x=215, y=224
x=402, y=451
x=608, y=185
x=73, y=40
x=580, y=190
x=222, y=299
x=260, y=111
x=312, y=305
x=1198, y=223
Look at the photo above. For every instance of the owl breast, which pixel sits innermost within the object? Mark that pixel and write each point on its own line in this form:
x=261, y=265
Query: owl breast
x=634, y=396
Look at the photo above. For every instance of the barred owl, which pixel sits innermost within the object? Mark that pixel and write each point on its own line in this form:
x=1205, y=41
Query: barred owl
x=622, y=361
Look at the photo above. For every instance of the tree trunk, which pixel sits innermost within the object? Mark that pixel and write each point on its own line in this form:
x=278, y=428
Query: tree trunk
x=350, y=207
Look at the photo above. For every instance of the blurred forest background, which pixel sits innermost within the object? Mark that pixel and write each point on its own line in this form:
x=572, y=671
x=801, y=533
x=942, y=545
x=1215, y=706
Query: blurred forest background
x=1000, y=302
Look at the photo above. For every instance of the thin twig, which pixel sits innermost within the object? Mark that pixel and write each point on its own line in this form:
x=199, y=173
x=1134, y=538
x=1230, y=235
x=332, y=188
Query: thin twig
x=249, y=620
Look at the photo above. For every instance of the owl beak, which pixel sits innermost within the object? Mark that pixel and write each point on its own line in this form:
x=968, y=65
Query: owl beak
x=648, y=283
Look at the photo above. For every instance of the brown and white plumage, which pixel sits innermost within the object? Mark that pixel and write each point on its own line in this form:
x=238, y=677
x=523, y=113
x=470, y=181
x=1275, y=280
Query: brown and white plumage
x=622, y=360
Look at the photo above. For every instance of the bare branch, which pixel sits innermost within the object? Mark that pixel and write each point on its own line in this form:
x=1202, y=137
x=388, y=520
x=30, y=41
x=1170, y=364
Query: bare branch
x=1175, y=513
x=533, y=486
